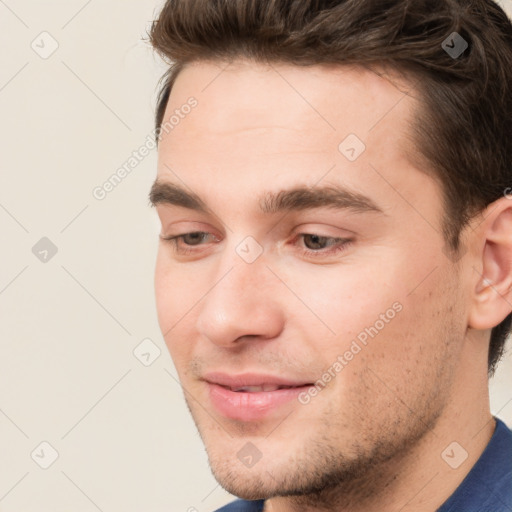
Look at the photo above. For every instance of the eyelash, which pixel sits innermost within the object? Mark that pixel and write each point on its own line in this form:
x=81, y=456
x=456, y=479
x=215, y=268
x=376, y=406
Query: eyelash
x=344, y=243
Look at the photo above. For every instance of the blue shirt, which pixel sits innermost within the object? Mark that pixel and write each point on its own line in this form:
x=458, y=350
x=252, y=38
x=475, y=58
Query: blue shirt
x=486, y=488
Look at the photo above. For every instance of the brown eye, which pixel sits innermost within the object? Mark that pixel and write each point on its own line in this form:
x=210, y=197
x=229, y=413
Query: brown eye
x=193, y=243
x=321, y=247
x=194, y=238
x=316, y=242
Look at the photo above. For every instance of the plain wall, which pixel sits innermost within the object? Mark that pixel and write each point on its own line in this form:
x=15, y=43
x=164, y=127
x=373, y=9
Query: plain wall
x=69, y=325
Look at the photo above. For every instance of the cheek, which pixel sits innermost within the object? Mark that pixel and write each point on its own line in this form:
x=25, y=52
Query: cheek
x=163, y=293
x=415, y=353
x=176, y=288
x=337, y=304
x=370, y=315
x=176, y=293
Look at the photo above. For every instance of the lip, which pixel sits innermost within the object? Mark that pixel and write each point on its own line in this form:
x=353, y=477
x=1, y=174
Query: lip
x=251, y=406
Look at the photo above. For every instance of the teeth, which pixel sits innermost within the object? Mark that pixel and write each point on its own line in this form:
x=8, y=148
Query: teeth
x=256, y=389
x=249, y=389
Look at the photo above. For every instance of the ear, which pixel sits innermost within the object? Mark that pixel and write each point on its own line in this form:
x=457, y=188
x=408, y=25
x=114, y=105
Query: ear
x=492, y=294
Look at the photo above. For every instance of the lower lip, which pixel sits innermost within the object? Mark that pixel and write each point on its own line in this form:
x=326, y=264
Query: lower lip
x=246, y=406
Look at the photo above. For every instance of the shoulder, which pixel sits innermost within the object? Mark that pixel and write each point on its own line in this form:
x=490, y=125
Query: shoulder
x=487, y=486
x=243, y=506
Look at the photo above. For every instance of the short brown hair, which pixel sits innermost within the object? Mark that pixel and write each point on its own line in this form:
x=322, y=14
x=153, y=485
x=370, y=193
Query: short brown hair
x=464, y=128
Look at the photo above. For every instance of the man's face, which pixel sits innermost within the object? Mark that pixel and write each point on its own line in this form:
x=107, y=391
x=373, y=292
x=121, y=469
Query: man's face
x=277, y=291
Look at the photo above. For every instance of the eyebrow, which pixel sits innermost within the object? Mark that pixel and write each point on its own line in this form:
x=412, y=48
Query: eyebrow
x=293, y=199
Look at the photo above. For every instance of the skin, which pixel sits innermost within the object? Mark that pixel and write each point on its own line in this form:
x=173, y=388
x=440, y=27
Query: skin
x=372, y=439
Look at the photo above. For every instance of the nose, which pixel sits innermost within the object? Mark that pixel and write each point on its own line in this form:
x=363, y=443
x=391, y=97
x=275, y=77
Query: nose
x=241, y=305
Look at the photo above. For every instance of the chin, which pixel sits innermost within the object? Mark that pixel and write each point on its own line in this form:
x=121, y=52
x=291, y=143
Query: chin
x=248, y=484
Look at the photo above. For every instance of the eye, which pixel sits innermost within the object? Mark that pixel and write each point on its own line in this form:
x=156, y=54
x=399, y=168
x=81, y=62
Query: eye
x=316, y=242
x=192, y=239
x=313, y=245
x=321, y=246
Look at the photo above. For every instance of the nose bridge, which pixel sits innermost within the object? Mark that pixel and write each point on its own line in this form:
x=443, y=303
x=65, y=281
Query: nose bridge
x=233, y=288
x=239, y=302
x=241, y=268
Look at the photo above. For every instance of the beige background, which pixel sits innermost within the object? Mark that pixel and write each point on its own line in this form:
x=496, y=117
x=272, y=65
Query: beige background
x=69, y=326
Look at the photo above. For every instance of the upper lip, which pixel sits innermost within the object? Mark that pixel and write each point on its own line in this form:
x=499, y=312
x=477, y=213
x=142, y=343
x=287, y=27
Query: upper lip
x=251, y=379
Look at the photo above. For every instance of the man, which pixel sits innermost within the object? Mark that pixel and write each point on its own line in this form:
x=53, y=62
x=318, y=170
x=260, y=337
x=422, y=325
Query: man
x=335, y=268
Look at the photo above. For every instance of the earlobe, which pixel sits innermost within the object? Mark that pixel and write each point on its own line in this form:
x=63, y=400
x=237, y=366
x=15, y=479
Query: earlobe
x=492, y=296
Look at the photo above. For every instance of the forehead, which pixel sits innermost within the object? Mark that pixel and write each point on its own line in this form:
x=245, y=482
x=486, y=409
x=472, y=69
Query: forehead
x=257, y=129
x=308, y=108
x=256, y=125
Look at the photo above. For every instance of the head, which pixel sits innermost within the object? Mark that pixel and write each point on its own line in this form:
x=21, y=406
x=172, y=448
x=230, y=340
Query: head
x=335, y=207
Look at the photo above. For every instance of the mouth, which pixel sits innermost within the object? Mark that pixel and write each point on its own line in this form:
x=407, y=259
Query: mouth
x=261, y=388
x=252, y=397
